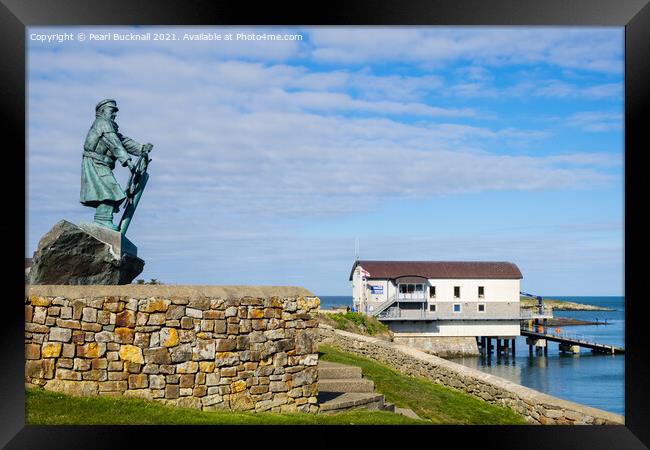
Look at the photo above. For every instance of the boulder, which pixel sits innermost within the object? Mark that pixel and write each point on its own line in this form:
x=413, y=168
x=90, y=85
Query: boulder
x=68, y=254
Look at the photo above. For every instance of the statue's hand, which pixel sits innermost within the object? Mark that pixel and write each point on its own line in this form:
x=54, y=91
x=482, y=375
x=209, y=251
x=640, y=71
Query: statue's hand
x=131, y=166
x=147, y=147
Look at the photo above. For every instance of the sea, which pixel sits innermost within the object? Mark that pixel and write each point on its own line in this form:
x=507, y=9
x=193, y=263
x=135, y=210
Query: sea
x=595, y=380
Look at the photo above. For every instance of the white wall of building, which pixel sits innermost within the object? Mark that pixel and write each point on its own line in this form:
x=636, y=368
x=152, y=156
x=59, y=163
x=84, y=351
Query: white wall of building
x=455, y=328
x=495, y=290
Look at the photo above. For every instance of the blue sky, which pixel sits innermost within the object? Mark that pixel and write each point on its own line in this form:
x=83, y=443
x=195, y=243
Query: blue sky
x=271, y=157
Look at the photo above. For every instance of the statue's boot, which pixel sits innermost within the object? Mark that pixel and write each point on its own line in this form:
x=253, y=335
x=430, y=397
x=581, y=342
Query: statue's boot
x=104, y=216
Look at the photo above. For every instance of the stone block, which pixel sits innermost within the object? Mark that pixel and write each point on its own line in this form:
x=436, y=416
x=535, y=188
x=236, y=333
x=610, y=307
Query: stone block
x=89, y=315
x=29, y=313
x=60, y=334
x=67, y=323
x=199, y=303
x=51, y=349
x=187, y=367
x=225, y=345
x=157, y=355
x=220, y=326
x=139, y=381
x=169, y=337
x=204, y=350
x=113, y=386
x=194, y=313
x=175, y=312
x=212, y=379
x=39, y=301
x=157, y=381
x=43, y=368
x=40, y=313
x=199, y=391
x=154, y=305
x=125, y=319
x=141, y=319
x=76, y=388
x=124, y=335
x=33, y=351
x=181, y=353
x=151, y=369
x=187, y=323
x=206, y=366
x=131, y=353
x=88, y=326
x=65, y=374
x=186, y=381
x=104, y=336
x=156, y=319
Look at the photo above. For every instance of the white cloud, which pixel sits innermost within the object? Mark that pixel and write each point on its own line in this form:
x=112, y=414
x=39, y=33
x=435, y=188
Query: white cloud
x=567, y=48
x=596, y=121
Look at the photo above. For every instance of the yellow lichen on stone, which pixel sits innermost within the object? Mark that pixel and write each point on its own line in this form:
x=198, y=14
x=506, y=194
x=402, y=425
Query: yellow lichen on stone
x=256, y=313
x=51, y=350
x=39, y=301
x=90, y=350
x=131, y=353
x=206, y=366
x=169, y=337
x=155, y=305
x=238, y=386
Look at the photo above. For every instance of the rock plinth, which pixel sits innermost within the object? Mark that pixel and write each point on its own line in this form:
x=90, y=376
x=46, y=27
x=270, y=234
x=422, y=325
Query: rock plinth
x=68, y=254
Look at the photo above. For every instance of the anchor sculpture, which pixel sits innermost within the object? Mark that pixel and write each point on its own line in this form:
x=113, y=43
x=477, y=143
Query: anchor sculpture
x=135, y=187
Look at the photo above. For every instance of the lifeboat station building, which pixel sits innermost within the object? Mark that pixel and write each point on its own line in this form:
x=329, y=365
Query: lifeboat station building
x=421, y=300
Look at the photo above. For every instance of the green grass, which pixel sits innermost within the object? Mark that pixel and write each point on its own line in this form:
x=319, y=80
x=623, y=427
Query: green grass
x=439, y=404
x=51, y=408
x=356, y=323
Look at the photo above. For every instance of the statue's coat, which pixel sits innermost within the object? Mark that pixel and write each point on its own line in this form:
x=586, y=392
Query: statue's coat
x=103, y=146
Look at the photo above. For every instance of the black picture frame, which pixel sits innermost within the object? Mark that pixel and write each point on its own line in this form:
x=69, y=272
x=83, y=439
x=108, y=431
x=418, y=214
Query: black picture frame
x=634, y=15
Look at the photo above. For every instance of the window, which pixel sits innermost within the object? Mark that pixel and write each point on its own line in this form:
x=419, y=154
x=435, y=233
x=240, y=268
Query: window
x=457, y=307
x=412, y=289
x=432, y=292
x=432, y=308
x=456, y=291
x=481, y=307
x=481, y=291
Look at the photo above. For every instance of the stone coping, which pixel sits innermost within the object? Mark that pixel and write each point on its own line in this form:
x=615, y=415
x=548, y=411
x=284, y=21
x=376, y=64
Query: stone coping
x=498, y=382
x=166, y=290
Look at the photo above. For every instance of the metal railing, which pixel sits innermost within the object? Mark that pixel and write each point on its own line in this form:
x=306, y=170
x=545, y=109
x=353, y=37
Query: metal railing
x=398, y=313
x=534, y=313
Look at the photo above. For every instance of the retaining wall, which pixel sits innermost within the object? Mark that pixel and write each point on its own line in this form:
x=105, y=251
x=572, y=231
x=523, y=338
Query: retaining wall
x=535, y=406
x=204, y=347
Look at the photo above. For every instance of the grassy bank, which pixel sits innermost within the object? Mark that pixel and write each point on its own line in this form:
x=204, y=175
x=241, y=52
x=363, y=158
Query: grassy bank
x=439, y=404
x=561, y=305
x=355, y=322
x=50, y=408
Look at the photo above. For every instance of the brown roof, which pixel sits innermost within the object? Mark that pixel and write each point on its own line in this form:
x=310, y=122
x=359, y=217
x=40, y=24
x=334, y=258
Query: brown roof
x=439, y=269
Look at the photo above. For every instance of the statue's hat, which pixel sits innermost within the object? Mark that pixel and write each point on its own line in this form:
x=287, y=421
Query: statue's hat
x=107, y=101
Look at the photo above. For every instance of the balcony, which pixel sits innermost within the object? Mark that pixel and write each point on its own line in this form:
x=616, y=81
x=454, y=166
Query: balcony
x=396, y=313
x=417, y=297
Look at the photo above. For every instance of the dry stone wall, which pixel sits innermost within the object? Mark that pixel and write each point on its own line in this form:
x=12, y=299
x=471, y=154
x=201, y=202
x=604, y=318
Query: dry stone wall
x=209, y=348
x=535, y=406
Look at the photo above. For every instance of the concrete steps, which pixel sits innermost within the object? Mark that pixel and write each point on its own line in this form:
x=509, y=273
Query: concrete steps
x=346, y=385
x=342, y=387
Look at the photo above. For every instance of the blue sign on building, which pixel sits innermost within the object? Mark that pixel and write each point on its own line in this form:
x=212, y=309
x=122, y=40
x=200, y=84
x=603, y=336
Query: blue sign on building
x=376, y=289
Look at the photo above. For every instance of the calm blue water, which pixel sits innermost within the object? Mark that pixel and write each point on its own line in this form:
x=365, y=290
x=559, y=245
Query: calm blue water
x=591, y=379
